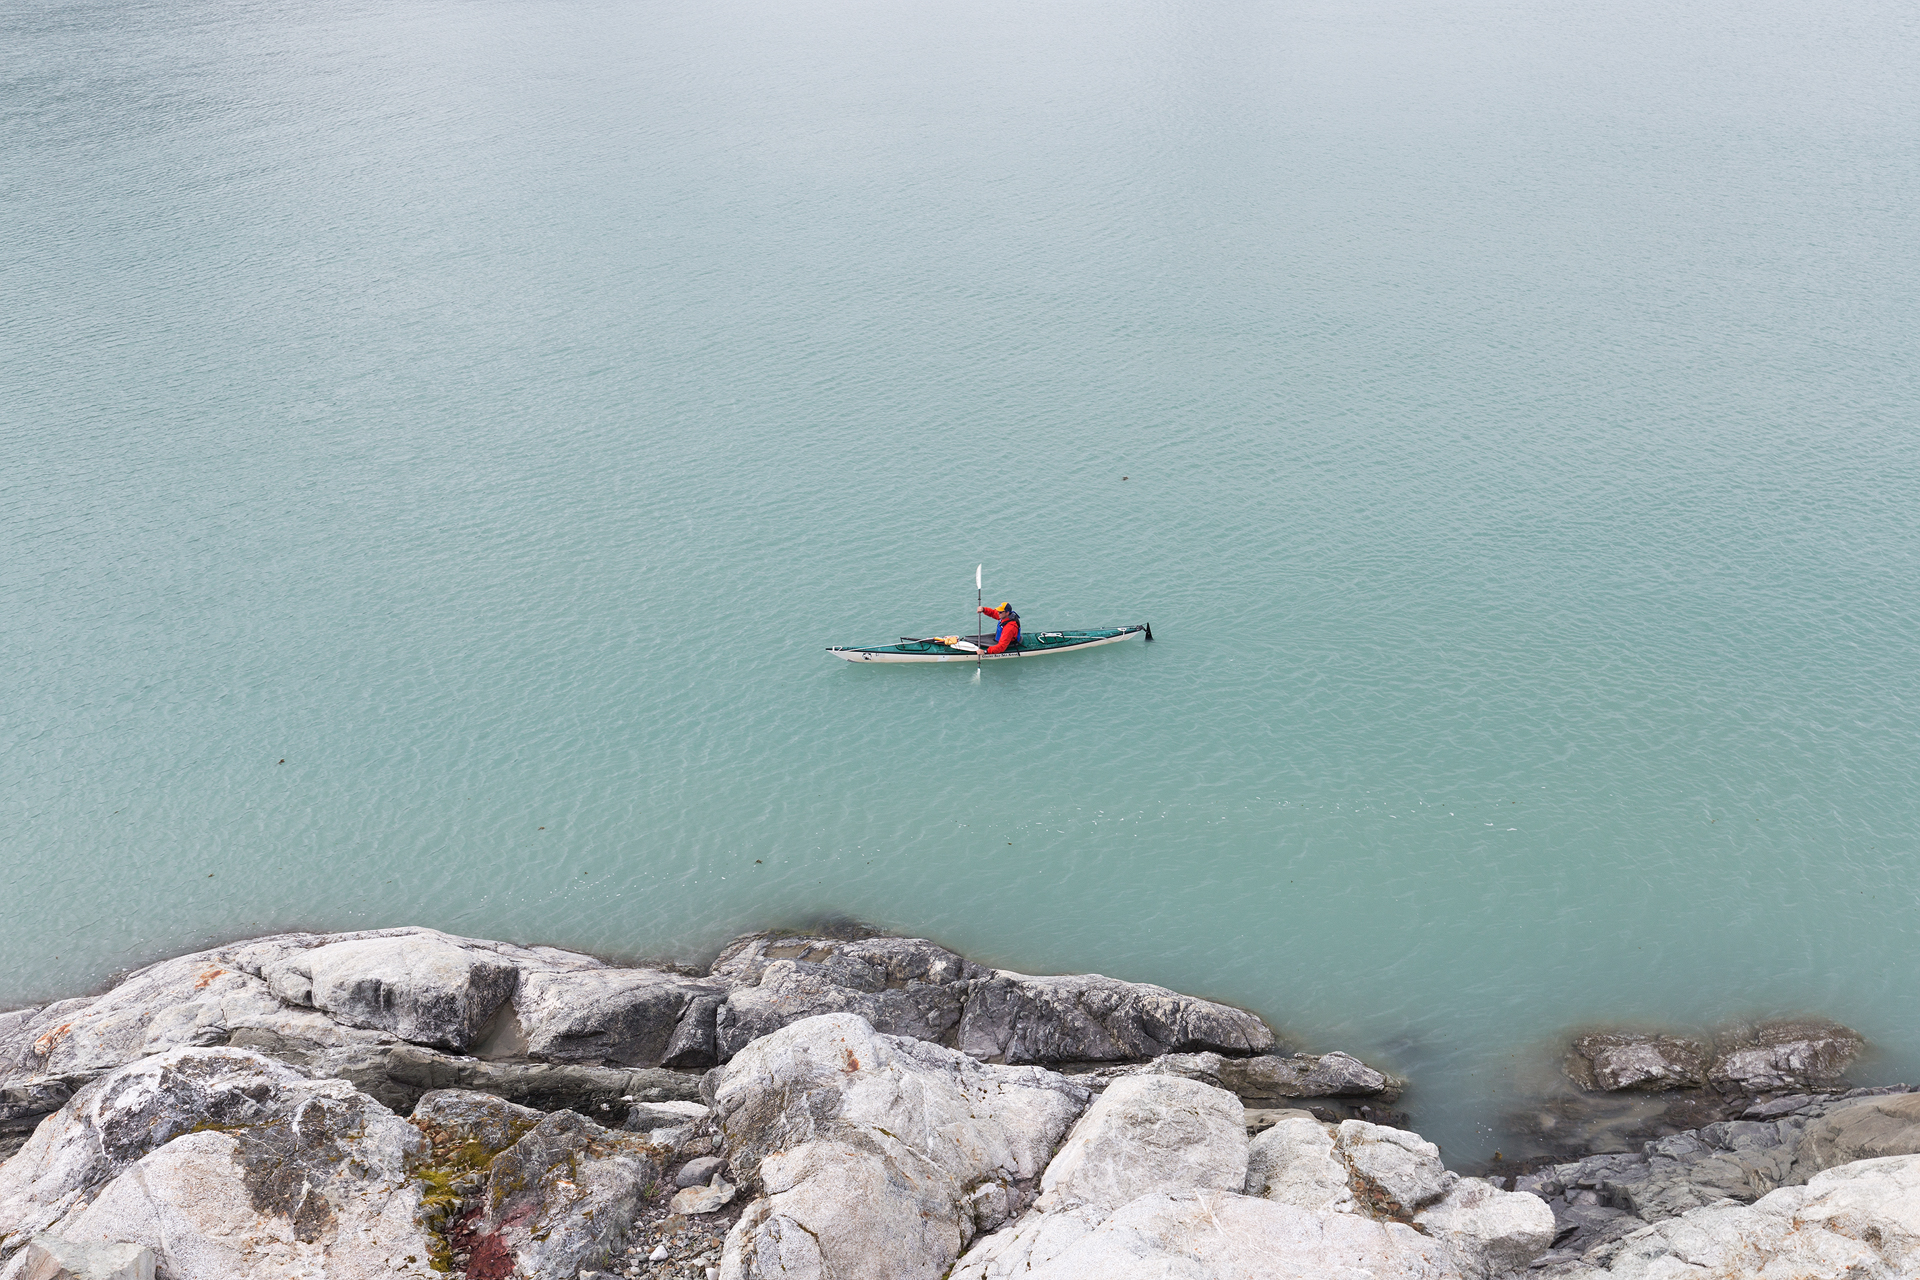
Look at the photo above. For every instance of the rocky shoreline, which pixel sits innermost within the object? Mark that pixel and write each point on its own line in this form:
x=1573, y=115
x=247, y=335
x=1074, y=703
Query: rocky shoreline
x=848, y=1106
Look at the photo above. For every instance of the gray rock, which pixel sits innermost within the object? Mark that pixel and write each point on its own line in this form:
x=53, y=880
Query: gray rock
x=1395, y=1173
x=1785, y=1056
x=1580, y=1227
x=52, y=1258
x=1214, y=1235
x=219, y=996
x=865, y=964
x=257, y=955
x=563, y=1197
x=223, y=1162
x=461, y=1117
x=1490, y=1232
x=697, y=1173
x=604, y=1094
x=899, y=986
x=648, y=1117
x=1012, y=1017
x=363, y=1065
x=425, y=987
x=1860, y=1129
x=620, y=1017
x=33, y=1096
x=196, y=1000
x=1293, y=1162
x=1614, y=1061
x=877, y=1156
x=1146, y=1136
x=1271, y=1078
x=1861, y=1221
x=1773, y=1108
x=1149, y=1133
x=27, y=1036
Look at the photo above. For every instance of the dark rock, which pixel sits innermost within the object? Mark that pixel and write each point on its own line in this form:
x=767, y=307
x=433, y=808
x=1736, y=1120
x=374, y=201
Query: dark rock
x=33, y=1096
x=1580, y=1226
x=695, y=1041
x=620, y=1017
x=563, y=1197
x=1015, y=1018
x=604, y=1094
x=697, y=1172
x=900, y=986
x=1270, y=1078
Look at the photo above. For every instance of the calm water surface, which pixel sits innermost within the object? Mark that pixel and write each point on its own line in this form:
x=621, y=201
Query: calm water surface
x=1504, y=412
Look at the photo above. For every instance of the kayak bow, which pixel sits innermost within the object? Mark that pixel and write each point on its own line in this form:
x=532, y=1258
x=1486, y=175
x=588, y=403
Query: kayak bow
x=970, y=648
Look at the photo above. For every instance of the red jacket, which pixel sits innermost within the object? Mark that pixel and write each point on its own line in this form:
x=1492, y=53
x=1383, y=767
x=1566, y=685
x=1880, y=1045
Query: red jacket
x=1009, y=629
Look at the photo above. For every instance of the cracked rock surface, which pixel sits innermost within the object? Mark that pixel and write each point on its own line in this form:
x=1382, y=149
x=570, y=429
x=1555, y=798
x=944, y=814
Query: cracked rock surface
x=224, y=1164
x=874, y=1155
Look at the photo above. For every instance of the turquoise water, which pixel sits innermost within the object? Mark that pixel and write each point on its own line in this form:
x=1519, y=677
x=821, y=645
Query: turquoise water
x=1504, y=413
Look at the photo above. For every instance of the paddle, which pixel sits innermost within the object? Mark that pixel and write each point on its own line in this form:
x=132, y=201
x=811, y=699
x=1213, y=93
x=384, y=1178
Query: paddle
x=977, y=602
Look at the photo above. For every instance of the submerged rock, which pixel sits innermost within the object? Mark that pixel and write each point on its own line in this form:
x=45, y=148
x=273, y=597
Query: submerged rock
x=1604, y=1198
x=1769, y=1057
x=1613, y=1061
x=1778, y=1056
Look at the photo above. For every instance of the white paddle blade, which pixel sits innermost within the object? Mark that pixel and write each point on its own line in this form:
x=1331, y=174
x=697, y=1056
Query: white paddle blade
x=966, y=646
x=976, y=576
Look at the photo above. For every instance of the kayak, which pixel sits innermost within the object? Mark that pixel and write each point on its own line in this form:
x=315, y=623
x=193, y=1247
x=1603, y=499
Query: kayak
x=969, y=648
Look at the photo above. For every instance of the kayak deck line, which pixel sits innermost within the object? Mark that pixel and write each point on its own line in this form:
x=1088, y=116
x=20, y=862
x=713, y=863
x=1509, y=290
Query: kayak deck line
x=1034, y=646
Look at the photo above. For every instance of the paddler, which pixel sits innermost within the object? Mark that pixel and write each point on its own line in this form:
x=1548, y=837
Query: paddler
x=1009, y=626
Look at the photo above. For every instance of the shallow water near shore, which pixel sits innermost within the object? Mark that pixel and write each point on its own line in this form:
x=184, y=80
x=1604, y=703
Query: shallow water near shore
x=440, y=440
